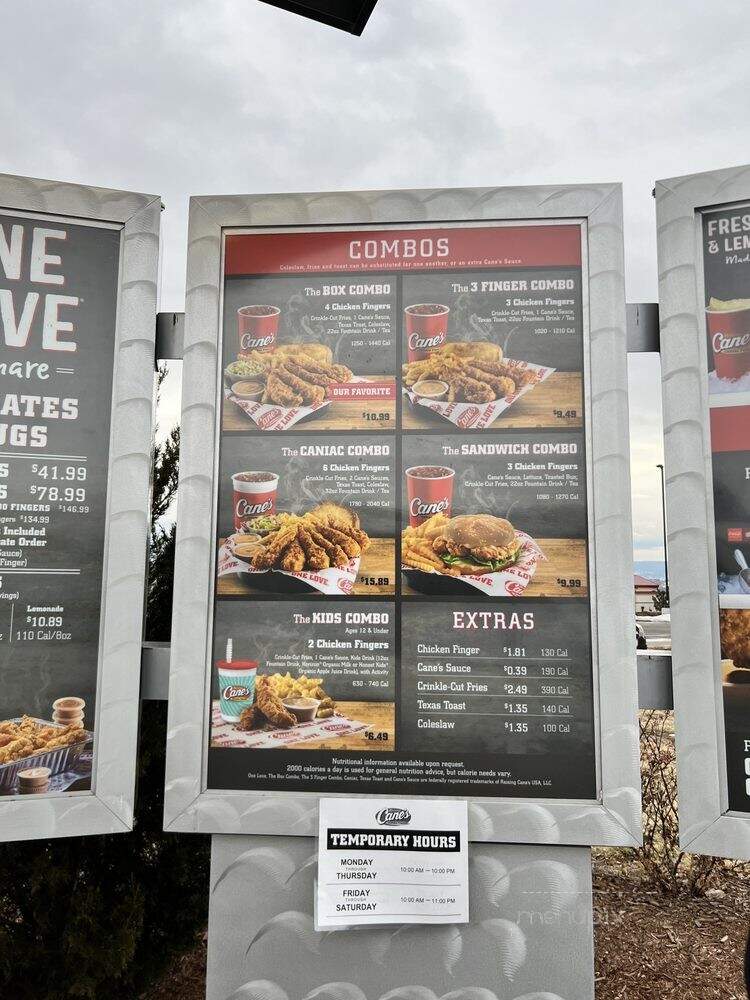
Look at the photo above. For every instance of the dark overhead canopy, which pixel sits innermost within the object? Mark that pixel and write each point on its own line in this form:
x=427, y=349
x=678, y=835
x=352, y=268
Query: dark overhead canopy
x=350, y=15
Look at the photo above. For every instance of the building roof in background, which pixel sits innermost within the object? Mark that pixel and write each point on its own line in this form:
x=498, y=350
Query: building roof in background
x=642, y=581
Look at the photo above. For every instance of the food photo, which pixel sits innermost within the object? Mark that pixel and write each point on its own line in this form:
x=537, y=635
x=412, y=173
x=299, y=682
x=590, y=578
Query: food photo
x=477, y=357
x=480, y=522
x=324, y=522
x=270, y=692
x=308, y=354
x=46, y=755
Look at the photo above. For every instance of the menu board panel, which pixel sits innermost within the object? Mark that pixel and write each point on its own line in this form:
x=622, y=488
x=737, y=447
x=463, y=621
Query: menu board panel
x=402, y=593
x=58, y=306
x=726, y=268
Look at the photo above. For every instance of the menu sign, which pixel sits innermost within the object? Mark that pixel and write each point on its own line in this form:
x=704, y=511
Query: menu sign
x=402, y=600
x=58, y=298
x=726, y=265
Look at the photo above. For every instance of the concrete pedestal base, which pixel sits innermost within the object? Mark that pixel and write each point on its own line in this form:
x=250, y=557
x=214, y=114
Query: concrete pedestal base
x=530, y=936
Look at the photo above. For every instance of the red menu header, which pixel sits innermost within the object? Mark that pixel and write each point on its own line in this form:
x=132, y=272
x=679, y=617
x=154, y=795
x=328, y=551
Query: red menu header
x=403, y=249
x=729, y=428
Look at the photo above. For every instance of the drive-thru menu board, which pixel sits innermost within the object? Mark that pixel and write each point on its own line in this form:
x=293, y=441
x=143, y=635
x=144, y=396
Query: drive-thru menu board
x=726, y=269
x=402, y=600
x=58, y=299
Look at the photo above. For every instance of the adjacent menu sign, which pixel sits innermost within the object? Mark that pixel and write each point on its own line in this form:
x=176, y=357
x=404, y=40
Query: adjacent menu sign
x=402, y=596
x=726, y=269
x=392, y=861
x=58, y=304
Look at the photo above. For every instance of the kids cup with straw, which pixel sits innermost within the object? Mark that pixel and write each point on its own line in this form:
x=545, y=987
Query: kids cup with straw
x=236, y=685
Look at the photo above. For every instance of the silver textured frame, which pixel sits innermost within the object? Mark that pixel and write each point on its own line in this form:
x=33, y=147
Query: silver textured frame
x=706, y=826
x=108, y=808
x=614, y=818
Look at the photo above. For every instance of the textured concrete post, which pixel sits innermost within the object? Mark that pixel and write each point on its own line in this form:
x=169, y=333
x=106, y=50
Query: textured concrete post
x=530, y=936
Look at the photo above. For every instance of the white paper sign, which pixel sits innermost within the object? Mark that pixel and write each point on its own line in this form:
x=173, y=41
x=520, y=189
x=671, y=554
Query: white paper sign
x=392, y=861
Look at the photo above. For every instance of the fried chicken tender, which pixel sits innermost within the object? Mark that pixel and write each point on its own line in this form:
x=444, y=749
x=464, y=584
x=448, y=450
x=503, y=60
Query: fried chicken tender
x=250, y=718
x=266, y=558
x=277, y=391
x=336, y=554
x=293, y=558
x=63, y=740
x=347, y=542
x=319, y=374
x=17, y=748
x=517, y=373
x=311, y=394
x=315, y=555
x=342, y=527
x=329, y=535
x=28, y=738
x=499, y=383
x=270, y=705
x=471, y=389
x=473, y=375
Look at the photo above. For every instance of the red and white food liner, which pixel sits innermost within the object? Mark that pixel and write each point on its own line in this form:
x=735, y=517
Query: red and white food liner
x=511, y=581
x=271, y=417
x=480, y=415
x=328, y=581
x=224, y=734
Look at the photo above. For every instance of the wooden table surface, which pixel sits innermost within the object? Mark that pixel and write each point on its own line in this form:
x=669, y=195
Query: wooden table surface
x=561, y=391
x=380, y=716
x=555, y=577
x=376, y=577
x=341, y=415
x=566, y=562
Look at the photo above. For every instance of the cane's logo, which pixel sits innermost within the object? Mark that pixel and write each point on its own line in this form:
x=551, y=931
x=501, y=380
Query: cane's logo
x=393, y=817
x=250, y=343
x=245, y=509
x=722, y=343
x=423, y=508
x=469, y=417
x=420, y=343
x=236, y=692
x=268, y=419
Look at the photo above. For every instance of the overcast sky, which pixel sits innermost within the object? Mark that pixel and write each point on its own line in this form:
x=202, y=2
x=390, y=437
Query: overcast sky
x=181, y=97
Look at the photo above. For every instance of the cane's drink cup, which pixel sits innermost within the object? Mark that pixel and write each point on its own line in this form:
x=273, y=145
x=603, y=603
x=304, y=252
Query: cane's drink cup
x=257, y=327
x=729, y=336
x=254, y=494
x=236, y=687
x=426, y=329
x=429, y=489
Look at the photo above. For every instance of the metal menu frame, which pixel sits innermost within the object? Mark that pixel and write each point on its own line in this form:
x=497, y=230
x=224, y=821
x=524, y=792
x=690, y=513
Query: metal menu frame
x=706, y=826
x=614, y=817
x=108, y=808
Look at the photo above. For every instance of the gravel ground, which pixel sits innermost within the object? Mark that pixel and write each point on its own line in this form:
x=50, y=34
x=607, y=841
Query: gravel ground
x=652, y=947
